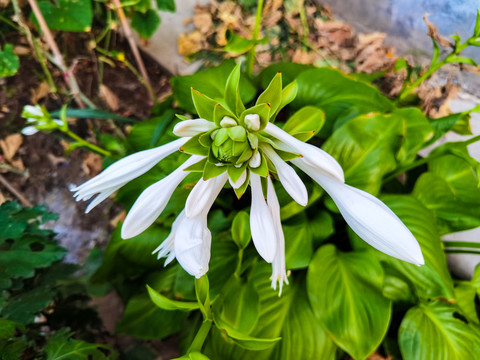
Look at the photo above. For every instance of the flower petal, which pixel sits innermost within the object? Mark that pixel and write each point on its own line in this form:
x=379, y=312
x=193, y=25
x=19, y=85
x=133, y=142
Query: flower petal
x=152, y=201
x=127, y=169
x=193, y=127
x=279, y=273
x=261, y=222
x=100, y=197
x=312, y=155
x=204, y=194
x=29, y=130
x=370, y=218
x=192, y=245
x=288, y=177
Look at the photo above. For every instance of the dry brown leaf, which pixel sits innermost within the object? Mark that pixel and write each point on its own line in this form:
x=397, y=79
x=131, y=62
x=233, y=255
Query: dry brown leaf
x=303, y=57
x=21, y=50
x=189, y=43
x=10, y=145
x=119, y=217
x=109, y=97
x=203, y=22
x=2, y=198
x=39, y=92
x=433, y=33
x=92, y=164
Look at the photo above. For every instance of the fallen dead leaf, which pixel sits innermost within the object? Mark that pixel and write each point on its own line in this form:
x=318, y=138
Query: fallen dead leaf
x=39, y=92
x=19, y=49
x=119, y=217
x=109, y=97
x=433, y=33
x=92, y=164
x=10, y=145
x=189, y=43
x=2, y=198
x=203, y=22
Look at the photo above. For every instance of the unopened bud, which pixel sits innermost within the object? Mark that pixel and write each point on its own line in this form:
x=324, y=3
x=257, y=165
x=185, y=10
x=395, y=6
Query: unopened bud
x=256, y=160
x=227, y=122
x=252, y=122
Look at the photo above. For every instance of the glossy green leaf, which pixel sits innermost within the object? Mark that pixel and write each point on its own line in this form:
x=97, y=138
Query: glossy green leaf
x=417, y=131
x=238, y=306
x=366, y=147
x=336, y=93
x=298, y=243
x=345, y=292
x=437, y=332
x=450, y=190
x=272, y=94
x=168, y=304
x=8, y=61
x=289, y=93
x=305, y=123
x=67, y=15
x=232, y=92
x=144, y=319
x=210, y=82
x=431, y=280
x=145, y=24
x=441, y=126
x=467, y=294
x=241, y=229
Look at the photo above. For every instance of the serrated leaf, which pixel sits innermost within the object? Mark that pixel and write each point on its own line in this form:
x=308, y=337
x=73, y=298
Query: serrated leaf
x=345, y=292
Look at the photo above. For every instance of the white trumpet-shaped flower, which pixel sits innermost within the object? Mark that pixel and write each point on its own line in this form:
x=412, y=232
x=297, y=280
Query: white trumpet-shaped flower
x=369, y=218
x=279, y=273
x=261, y=222
x=193, y=127
x=123, y=171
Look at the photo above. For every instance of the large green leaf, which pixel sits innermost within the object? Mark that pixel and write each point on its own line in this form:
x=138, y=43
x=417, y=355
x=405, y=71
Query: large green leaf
x=210, y=82
x=345, y=292
x=467, y=294
x=336, y=93
x=437, y=332
x=416, y=132
x=279, y=316
x=431, y=280
x=67, y=15
x=298, y=243
x=366, y=147
x=143, y=319
x=451, y=192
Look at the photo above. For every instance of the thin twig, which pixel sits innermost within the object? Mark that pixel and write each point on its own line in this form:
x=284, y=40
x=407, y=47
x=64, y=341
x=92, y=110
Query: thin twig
x=57, y=58
x=133, y=45
x=15, y=192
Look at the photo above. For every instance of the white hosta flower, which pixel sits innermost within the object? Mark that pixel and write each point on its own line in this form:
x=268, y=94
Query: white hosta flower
x=288, y=177
x=153, y=200
x=261, y=222
x=312, y=155
x=29, y=130
x=369, y=218
x=279, y=273
x=201, y=194
x=192, y=127
x=123, y=171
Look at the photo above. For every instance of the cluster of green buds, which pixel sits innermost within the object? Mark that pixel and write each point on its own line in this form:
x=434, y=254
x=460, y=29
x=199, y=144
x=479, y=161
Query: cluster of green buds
x=234, y=140
x=39, y=119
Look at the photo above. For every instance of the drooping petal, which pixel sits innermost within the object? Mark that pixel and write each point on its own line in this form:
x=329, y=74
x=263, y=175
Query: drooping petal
x=193, y=127
x=29, y=130
x=288, y=177
x=152, y=201
x=100, y=197
x=127, y=169
x=311, y=154
x=166, y=248
x=202, y=193
x=279, y=273
x=34, y=110
x=192, y=245
x=261, y=222
x=370, y=218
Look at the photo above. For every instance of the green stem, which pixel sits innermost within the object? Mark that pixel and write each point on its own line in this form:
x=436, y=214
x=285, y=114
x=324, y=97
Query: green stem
x=421, y=79
x=201, y=336
x=303, y=19
x=462, y=244
x=411, y=166
x=9, y=23
x=256, y=31
x=87, y=144
x=461, y=251
x=238, y=270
